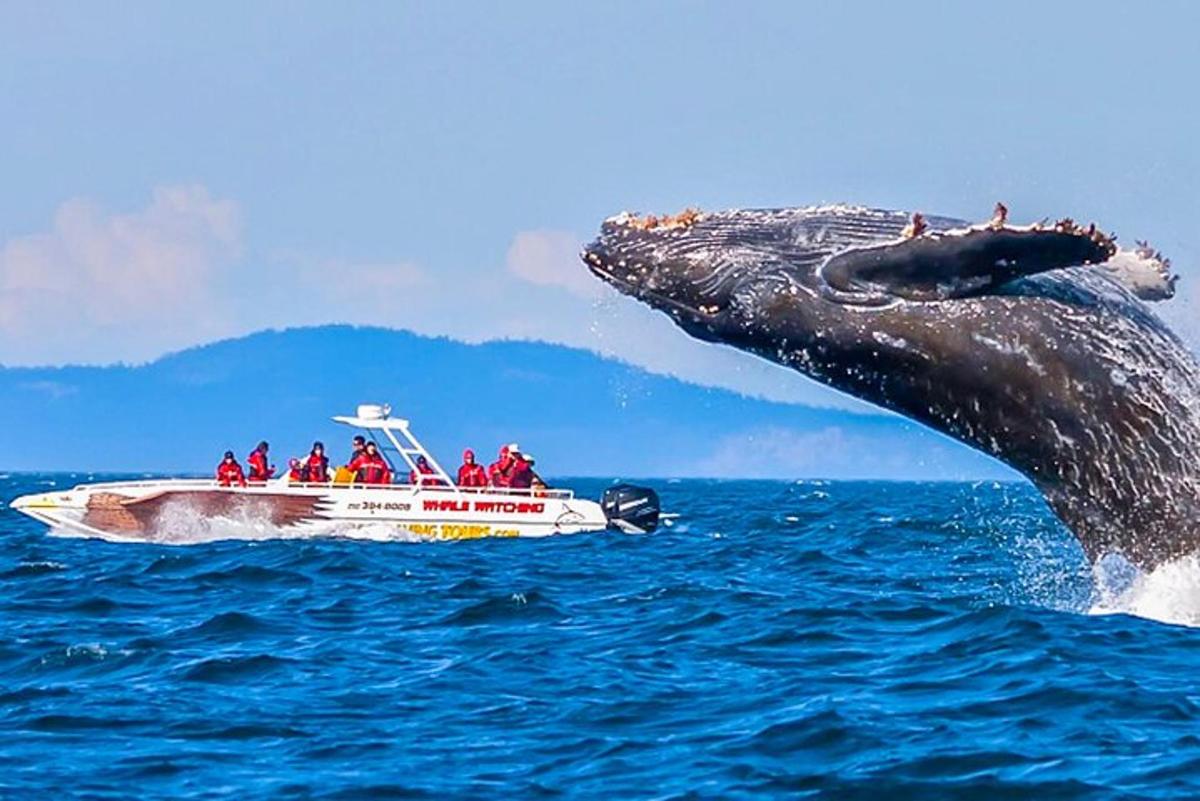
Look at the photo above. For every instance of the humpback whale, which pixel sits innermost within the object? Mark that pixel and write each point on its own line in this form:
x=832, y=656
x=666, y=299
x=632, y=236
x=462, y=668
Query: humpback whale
x=1034, y=344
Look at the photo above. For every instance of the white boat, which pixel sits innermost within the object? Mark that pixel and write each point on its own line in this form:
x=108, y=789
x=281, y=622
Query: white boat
x=433, y=509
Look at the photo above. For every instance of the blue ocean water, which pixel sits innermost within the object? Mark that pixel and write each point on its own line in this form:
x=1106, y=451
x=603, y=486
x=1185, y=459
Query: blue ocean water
x=848, y=640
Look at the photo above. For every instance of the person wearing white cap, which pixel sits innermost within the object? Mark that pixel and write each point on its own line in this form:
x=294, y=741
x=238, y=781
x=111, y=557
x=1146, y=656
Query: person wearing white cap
x=521, y=476
x=536, y=483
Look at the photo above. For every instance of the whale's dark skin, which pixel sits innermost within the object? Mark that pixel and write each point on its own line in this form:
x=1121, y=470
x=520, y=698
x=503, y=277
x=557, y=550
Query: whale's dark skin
x=1017, y=341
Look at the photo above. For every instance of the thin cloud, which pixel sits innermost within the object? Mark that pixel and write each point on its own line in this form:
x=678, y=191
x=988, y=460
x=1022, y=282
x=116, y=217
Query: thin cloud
x=102, y=286
x=551, y=258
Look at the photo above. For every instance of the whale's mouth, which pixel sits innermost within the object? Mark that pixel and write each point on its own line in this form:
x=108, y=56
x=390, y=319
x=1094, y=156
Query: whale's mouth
x=697, y=320
x=665, y=287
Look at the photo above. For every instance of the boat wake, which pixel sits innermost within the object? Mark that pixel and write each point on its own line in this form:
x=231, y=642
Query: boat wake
x=1170, y=593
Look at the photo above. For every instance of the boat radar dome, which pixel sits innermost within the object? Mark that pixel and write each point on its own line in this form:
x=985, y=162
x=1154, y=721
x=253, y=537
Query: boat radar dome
x=374, y=411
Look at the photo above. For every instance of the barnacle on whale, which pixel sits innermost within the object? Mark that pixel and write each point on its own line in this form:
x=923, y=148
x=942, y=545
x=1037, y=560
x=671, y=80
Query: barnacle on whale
x=916, y=226
x=684, y=219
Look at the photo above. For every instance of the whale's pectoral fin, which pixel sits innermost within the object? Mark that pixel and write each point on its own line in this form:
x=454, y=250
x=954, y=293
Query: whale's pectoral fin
x=962, y=263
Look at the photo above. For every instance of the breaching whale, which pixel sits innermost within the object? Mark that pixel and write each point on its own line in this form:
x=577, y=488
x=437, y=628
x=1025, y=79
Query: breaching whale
x=1029, y=343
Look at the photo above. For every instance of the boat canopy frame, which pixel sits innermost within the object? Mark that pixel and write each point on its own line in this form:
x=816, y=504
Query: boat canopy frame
x=403, y=442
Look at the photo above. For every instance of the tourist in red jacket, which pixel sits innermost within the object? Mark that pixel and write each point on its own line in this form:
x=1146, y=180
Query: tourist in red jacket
x=422, y=475
x=229, y=472
x=260, y=470
x=371, y=467
x=499, y=470
x=471, y=474
x=520, y=476
x=316, y=468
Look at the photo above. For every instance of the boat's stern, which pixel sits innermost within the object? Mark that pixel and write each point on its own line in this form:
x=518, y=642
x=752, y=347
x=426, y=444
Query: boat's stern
x=631, y=508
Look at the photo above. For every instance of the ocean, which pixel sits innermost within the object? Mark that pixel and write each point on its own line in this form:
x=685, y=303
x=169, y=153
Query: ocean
x=776, y=639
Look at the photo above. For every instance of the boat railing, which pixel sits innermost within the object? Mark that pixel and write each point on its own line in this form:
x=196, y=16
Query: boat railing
x=206, y=483
x=539, y=492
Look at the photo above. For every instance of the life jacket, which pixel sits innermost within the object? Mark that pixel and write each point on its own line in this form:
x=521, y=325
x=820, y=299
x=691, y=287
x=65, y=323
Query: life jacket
x=358, y=452
x=230, y=473
x=371, y=469
x=316, y=469
x=472, y=475
x=259, y=471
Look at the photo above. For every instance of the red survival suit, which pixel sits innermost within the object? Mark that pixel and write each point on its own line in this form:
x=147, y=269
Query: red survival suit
x=230, y=473
x=371, y=469
x=471, y=474
x=316, y=469
x=498, y=470
x=521, y=475
x=259, y=469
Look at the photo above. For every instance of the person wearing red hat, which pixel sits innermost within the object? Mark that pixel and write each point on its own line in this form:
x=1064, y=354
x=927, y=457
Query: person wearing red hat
x=498, y=470
x=471, y=474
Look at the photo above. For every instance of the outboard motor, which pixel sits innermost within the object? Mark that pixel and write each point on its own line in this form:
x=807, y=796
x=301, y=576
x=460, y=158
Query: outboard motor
x=631, y=509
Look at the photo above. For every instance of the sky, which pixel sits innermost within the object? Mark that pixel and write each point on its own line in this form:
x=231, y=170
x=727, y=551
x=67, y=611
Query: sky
x=172, y=174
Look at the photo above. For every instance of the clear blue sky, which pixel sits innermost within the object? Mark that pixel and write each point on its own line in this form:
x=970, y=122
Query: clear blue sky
x=173, y=174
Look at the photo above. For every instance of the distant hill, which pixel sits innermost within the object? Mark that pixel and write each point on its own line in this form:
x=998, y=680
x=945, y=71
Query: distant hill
x=579, y=413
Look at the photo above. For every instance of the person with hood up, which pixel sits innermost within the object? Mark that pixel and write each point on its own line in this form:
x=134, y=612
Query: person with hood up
x=471, y=474
x=499, y=470
x=260, y=470
x=371, y=467
x=229, y=472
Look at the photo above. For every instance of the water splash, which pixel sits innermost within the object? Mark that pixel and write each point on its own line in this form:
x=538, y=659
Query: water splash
x=1169, y=594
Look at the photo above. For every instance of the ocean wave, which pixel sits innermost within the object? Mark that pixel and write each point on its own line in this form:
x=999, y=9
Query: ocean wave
x=888, y=640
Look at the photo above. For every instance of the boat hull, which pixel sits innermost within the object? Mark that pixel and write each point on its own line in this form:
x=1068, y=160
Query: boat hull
x=157, y=511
